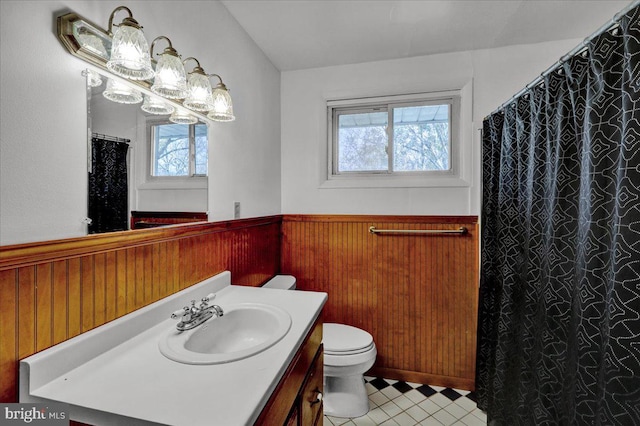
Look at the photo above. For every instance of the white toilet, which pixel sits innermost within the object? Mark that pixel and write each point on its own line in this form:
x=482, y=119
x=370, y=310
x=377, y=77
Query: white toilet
x=348, y=353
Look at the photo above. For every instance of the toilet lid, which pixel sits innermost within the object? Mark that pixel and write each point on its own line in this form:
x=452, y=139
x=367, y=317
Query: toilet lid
x=341, y=338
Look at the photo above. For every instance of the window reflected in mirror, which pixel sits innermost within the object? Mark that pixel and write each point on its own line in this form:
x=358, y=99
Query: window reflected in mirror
x=179, y=149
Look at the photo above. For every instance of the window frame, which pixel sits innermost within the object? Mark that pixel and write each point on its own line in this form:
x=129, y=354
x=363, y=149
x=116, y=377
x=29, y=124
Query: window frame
x=428, y=178
x=192, y=177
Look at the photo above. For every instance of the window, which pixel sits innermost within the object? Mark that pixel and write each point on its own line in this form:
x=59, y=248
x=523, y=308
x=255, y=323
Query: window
x=409, y=140
x=178, y=150
x=393, y=138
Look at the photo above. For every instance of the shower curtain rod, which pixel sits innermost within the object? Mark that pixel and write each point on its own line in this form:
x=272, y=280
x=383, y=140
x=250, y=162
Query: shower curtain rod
x=610, y=25
x=110, y=138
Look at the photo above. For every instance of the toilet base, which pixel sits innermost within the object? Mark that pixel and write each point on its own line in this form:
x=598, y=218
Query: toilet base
x=345, y=396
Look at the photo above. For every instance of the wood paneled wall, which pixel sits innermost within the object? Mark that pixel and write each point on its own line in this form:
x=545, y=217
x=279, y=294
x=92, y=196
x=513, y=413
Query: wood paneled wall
x=417, y=295
x=55, y=290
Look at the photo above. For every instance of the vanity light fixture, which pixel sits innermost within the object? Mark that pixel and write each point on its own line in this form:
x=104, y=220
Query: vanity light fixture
x=222, y=105
x=126, y=54
x=129, y=49
x=180, y=116
x=156, y=106
x=121, y=93
x=171, y=78
x=200, y=96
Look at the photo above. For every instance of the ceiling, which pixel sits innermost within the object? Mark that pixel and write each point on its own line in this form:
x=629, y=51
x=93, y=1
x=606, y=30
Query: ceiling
x=298, y=34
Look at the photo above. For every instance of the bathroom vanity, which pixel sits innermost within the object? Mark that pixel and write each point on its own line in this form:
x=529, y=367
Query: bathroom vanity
x=116, y=374
x=298, y=398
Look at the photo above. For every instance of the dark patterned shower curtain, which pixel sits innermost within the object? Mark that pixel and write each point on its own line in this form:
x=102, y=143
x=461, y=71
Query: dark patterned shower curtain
x=108, y=190
x=559, y=321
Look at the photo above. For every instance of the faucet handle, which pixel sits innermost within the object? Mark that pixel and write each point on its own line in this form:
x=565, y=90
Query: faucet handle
x=180, y=313
x=209, y=297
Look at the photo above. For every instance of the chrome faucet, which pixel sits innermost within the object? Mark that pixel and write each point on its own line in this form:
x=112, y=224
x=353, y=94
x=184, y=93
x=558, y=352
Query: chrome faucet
x=192, y=316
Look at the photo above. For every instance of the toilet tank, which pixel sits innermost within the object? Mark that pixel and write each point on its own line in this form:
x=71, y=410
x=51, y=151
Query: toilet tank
x=283, y=282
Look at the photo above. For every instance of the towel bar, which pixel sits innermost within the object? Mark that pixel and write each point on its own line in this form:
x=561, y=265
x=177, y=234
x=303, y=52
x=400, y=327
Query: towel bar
x=460, y=231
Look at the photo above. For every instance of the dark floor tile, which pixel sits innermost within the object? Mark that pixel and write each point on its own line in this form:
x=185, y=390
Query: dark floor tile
x=402, y=386
x=450, y=393
x=426, y=390
x=472, y=396
x=379, y=383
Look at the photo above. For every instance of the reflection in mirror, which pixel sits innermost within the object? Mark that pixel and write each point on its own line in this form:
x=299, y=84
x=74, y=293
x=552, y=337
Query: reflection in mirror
x=144, y=171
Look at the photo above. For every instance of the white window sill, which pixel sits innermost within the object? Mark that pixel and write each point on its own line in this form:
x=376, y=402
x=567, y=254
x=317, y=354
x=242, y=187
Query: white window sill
x=175, y=183
x=386, y=181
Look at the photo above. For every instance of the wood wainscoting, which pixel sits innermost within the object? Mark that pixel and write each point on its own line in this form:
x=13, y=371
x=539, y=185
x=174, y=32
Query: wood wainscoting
x=55, y=290
x=417, y=295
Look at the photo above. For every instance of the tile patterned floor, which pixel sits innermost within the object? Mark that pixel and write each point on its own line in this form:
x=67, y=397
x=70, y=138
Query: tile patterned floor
x=396, y=403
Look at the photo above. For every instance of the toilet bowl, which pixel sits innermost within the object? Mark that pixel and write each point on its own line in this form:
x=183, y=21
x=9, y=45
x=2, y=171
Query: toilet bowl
x=348, y=353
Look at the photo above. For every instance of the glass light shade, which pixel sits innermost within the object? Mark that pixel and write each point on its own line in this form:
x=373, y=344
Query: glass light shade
x=182, y=117
x=156, y=106
x=130, y=54
x=94, y=79
x=121, y=93
x=199, y=97
x=222, y=106
x=171, y=79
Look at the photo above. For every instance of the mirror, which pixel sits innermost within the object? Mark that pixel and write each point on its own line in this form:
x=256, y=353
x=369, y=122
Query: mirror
x=164, y=163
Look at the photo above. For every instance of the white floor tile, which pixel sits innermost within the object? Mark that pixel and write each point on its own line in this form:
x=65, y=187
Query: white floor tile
x=403, y=419
x=430, y=421
x=391, y=392
x=364, y=421
x=440, y=399
x=437, y=388
x=391, y=409
x=377, y=415
x=417, y=413
x=415, y=396
x=471, y=420
x=445, y=418
x=456, y=411
x=466, y=404
x=479, y=414
x=403, y=402
x=429, y=406
x=390, y=422
x=378, y=399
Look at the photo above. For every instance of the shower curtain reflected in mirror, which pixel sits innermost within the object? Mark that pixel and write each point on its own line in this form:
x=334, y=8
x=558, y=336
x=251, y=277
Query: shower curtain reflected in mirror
x=108, y=187
x=559, y=321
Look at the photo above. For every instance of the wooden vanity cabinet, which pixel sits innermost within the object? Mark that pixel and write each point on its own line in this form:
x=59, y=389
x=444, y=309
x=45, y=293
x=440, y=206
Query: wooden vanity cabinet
x=297, y=400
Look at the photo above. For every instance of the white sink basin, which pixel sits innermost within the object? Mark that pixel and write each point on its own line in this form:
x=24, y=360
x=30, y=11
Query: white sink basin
x=244, y=330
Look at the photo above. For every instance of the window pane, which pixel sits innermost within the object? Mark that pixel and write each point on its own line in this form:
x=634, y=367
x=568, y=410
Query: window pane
x=171, y=143
x=421, y=138
x=362, y=142
x=202, y=150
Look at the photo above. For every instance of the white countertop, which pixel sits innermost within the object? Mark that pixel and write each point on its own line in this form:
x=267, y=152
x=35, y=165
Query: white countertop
x=116, y=375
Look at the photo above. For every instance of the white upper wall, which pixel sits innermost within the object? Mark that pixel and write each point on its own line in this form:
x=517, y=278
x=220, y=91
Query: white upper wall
x=494, y=74
x=43, y=139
